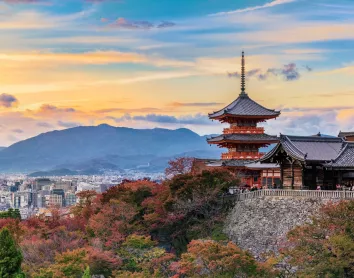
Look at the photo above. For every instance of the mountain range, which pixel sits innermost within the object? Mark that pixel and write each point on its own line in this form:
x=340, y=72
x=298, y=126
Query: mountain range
x=94, y=148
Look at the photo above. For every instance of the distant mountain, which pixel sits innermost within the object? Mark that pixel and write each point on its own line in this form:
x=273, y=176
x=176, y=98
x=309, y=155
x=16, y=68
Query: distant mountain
x=102, y=147
x=64, y=172
x=57, y=172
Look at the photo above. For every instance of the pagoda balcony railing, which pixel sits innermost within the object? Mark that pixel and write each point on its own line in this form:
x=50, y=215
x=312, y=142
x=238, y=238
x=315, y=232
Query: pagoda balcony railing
x=244, y=129
x=242, y=155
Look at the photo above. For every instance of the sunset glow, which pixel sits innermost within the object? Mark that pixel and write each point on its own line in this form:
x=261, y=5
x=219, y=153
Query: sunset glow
x=146, y=64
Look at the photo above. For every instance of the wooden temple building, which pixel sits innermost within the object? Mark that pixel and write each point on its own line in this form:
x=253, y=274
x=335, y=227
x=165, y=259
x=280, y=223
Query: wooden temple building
x=243, y=138
x=312, y=161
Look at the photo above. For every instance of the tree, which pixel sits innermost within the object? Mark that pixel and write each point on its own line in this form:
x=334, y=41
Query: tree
x=68, y=264
x=85, y=206
x=87, y=273
x=325, y=247
x=10, y=255
x=141, y=255
x=207, y=258
x=113, y=223
x=11, y=213
x=193, y=208
x=179, y=166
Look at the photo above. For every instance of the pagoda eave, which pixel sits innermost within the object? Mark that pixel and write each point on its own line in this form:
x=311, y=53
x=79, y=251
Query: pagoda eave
x=233, y=118
x=225, y=142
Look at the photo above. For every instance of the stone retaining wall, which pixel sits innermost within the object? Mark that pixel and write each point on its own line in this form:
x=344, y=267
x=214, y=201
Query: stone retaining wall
x=261, y=224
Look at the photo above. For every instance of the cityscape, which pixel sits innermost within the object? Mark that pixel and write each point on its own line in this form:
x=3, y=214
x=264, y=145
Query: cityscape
x=36, y=196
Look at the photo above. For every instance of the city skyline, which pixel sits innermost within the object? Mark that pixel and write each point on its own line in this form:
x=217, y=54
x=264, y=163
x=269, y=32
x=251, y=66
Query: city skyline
x=146, y=64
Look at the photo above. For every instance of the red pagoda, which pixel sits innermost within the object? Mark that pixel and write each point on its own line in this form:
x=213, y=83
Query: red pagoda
x=243, y=138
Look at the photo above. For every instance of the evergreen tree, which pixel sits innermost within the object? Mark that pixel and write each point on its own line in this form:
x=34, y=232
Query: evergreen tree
x=10, y=256
x=17, y=214
x=87, y=273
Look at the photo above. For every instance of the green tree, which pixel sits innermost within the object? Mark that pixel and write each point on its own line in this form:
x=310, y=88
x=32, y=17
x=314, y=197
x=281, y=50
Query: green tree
x=17, y=214
x=10, y=256
x=87, y=273
x=67, y=264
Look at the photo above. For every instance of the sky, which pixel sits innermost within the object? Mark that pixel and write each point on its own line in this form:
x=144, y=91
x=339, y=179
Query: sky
x=168, y=63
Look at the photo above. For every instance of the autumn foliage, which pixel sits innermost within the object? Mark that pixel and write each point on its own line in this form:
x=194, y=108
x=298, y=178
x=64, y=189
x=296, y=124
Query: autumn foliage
x=136, y=229
x=179, y=166
x=324, y=248
x=207, y=258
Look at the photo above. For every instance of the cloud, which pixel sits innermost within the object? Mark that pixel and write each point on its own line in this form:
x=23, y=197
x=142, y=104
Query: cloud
x=48, y=108
x=67, y=124
x=301, y=32
x=317, y=109
x=23, y=1
x=25, y=19
x=102, y=1
x=195, y=104
x=138, y=24
x=249, y=9
x=197, y=119
x=44, y=124
x=166, y=24
x=49, y=59
x=288, y=72
x=8, y=101
x=128, y=110
x=17, y=130
x=297, y=51
x=48, y=111
x=308, y=124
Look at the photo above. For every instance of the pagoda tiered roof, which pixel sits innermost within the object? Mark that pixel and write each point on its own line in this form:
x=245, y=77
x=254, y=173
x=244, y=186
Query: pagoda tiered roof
x=245, y=107
x=261, y=138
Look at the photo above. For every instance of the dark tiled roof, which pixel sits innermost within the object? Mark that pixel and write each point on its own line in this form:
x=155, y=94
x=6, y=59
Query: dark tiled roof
x=244, y=137
x=245, y=106
x=229, y=162
x=345, y=134
x=236, y=162
x=308, y=148
x=258, y=165
x=345, y=159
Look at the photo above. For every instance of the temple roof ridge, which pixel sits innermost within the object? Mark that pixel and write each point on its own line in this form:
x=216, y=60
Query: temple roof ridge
x=308, y=148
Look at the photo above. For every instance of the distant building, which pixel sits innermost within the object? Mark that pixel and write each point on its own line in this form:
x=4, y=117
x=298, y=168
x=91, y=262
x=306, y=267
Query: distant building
x=55, y=200
x=84, y=186
x=22, y=199
x=70, y=199
x=41, y=182
x=65, y=185
x=61, y=193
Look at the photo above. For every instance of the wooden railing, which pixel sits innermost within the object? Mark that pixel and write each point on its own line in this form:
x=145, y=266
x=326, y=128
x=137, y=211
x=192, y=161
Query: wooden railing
x=293, y=193
x=242, y=155
x=244, y=129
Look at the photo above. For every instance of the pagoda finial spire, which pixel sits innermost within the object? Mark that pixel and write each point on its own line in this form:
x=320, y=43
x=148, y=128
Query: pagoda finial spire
x=243, y=75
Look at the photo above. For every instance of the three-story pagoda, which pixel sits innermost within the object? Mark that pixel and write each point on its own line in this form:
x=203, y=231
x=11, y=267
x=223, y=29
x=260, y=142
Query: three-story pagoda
x=243, y=138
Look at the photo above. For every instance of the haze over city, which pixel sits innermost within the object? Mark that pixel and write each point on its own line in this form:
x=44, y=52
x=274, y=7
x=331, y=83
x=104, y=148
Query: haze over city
x=146, y=64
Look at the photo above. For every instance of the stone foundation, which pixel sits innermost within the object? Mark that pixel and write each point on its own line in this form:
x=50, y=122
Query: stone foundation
x=261, y=224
